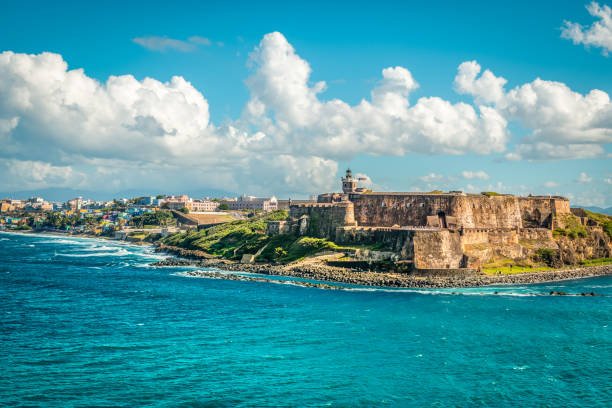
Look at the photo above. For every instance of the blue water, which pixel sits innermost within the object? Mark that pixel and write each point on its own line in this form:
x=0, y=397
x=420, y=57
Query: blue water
x=87, y=323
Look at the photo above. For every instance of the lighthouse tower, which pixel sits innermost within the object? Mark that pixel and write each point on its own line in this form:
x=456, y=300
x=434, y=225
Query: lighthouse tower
x=349, y=184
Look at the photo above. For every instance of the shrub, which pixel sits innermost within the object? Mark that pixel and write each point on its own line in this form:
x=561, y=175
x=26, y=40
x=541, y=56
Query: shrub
x=546, y=255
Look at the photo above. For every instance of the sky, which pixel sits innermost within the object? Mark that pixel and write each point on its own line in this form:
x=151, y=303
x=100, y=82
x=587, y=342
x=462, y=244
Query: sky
x=280, y=98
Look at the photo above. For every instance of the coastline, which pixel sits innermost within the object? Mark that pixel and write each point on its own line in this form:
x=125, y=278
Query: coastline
x=67, y=234
x=316, y=270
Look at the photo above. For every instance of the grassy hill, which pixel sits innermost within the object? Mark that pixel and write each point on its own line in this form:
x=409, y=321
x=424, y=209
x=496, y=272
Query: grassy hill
x=233, y=239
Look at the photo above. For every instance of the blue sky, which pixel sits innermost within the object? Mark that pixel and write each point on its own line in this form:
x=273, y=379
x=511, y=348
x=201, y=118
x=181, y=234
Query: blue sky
x=285, y=149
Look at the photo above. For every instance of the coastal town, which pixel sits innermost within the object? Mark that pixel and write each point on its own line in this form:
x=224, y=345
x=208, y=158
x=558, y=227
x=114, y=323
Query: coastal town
x=130, y=218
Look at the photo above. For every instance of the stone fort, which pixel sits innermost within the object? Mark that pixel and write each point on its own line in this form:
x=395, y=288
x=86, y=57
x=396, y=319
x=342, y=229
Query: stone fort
x=429, y=230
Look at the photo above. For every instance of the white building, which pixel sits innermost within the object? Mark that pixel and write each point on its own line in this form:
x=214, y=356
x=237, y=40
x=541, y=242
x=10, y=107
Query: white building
x=253, y=203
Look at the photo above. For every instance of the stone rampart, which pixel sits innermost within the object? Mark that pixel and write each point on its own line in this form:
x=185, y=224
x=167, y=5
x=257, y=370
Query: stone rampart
x=322, y=219
x=493, y=236
x=438, y=250
x=394, y=239
x=540, y=211
x=469, y=211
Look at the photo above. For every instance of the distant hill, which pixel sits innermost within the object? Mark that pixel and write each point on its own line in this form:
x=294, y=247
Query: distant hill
x=600, y=210
x=64, y=194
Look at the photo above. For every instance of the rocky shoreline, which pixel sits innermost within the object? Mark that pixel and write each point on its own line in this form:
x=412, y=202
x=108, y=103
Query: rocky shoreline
x=319, y=271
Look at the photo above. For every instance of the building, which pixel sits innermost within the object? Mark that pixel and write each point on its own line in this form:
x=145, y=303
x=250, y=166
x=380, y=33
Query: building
x=202, y=205
x=433, y=230
x=75, y=204
x=285, y=204
x=252, y=203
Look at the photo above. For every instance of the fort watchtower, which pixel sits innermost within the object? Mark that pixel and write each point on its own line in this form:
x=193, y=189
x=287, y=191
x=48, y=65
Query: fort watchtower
x=349, y=184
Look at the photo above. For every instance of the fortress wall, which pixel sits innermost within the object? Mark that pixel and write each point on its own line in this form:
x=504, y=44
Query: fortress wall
x=539, y=212
x=437, y=249
x=536, y=212
x=399, y=241
x=489, y=236
x=323, y=219
x=470, y=211
x=481, y=211
x=536, y=234
x=561, y=205
x=394, y=209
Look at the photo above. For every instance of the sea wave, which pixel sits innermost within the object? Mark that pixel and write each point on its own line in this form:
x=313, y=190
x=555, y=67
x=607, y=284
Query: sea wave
x=120, y=252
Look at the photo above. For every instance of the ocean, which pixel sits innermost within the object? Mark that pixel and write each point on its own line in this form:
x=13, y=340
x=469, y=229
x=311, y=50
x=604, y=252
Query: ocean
x=87, y=322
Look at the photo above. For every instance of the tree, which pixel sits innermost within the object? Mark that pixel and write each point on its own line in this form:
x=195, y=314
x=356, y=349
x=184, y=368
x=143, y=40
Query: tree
x=224, y=206
x=184, y=210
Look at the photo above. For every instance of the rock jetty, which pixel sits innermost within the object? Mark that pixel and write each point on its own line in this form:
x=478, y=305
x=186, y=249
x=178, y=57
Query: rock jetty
x=319, y=271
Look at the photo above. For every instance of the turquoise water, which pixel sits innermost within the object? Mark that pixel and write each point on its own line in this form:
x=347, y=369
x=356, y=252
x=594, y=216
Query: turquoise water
x=87, y=323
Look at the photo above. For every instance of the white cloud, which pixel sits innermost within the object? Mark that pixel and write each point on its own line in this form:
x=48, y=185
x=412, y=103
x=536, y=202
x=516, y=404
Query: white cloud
x=551, y=184
x=481, y=175
x=599, y=34
x=196, y=39
x=156, y=43
x=285, y=107
x=289, y=137
x=63, y=118
x=431, y=177
x=564, y=124
x=487, y=88
x=27, y=174
x=583, y=178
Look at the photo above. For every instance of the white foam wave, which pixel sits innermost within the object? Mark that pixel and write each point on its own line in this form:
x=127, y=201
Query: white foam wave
x=120, y=252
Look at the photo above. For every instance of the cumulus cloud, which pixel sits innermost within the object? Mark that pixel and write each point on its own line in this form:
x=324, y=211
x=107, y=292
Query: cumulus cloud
x=599, y=34
x=156, y=43
x=551, y=184
x=480, y=175
x=64, y=118
x=289, y=137
x=284, y=105
x=564, y=124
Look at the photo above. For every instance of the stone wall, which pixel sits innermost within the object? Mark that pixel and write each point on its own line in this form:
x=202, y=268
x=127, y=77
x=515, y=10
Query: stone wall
x=322, y=219
x=489, y=236
x=455, y=210
x=393, y=239
x=438, y=250
x=469, y=211
x=539, y=212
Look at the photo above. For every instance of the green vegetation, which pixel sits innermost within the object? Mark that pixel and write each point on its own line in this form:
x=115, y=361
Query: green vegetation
x=224, y=206
x=230, y=240
x=595, y=262
x=158, y=218
x=57, y=220
x=515, y=269
x=184, y=210
x=604, y=220
x=546, y=255
x=573, y=228
x=233, y=239
x=490, y=193
x=507, y=265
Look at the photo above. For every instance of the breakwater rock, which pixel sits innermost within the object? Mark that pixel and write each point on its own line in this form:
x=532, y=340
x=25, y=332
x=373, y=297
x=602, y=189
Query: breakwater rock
x=319, y=271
